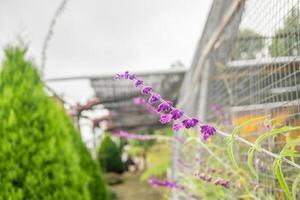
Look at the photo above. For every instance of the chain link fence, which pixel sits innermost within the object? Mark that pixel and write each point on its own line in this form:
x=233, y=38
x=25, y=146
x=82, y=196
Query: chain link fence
x=246, y=66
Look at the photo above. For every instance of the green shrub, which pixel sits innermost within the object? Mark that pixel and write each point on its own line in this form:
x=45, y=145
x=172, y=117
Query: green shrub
x=40, y=155
x=109, y=156
x=96, y=185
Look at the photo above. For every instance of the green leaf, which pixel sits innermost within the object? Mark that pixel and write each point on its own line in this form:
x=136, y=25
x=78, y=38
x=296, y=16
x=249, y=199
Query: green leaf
x=294, y=186
x=250, y=161
x=231, y=154
x=287, y=151
x=231, y=139
x=273, y=133
x=278, y=172
x=260, y=139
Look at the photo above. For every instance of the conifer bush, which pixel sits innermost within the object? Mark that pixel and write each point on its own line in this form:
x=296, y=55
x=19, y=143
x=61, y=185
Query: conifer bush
x=96, y=185
x=41, y=154
x=109, y=156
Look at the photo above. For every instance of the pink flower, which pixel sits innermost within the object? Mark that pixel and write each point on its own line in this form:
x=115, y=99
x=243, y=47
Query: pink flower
x=177, y=127
x=165, y=118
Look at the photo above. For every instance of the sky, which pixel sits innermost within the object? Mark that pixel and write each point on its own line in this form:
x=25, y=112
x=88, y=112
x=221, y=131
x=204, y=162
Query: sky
x=95, y=37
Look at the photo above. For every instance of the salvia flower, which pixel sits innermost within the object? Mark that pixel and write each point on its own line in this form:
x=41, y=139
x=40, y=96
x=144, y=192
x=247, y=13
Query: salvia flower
x=139, y=100
x=134, y=136
x=222, y=182
x=165, y=118
x=146, y=90
x=176, y=114
x=162, y=183
x=124, y=134
x=268, y=125
x=172, y=185
x=131, y=77
x=177, y=127
x=167, y=107
x=204, y=177
x=118, y=76
x=216, y=108
x=190, y=123
x=164, y=106
x=208, y=178
x=154, y=98
x=207, y=131
x=138, y=82
x=126, y=75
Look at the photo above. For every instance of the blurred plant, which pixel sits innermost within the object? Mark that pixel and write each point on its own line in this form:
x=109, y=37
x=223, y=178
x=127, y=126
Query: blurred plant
x=109, y=156
x=286, y=39
x=158, y=159
x=97, y=187
x=248, y=45
x=41, y=153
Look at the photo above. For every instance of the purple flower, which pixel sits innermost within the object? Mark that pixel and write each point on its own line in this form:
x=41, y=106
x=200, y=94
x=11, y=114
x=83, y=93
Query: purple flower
x=154, y=98
x=126, y=75
x=170, y=184
x=138, y=82
x=164, y=106
x=189, y=123
x=207, y=131
x=222, y=182
x=216, y=107
x=131, y=76
x=118, y=76
x=165, y=118
x=146, y=90
x=139, y=100
x=205, y=136
x=176, y=114
x=202, y=176
x=124, y=134
x=162, y=183
x=208, y=178
x=268, y=125
x=177, y=127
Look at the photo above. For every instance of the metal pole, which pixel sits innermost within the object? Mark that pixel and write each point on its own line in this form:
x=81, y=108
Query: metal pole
x=203, y=91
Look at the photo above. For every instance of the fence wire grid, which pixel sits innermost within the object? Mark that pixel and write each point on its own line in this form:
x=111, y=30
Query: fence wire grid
x=251, y=71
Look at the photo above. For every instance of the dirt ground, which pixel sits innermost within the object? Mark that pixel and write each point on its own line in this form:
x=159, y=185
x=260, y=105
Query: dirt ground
x=133, y=189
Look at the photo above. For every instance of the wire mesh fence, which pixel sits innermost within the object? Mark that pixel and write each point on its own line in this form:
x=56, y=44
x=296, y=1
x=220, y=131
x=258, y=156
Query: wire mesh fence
x=249, y=70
